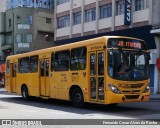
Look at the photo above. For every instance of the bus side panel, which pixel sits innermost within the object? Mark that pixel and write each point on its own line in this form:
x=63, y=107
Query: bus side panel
x=33, y=83
x=7, y=83
x=53, y=89
x=31, y=80
x=61, y=85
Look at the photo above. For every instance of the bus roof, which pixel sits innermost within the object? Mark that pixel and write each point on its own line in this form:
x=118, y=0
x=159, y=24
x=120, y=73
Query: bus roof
x=68, y=46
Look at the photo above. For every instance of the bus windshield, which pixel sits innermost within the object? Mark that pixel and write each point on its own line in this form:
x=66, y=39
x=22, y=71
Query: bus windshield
x=128, y=65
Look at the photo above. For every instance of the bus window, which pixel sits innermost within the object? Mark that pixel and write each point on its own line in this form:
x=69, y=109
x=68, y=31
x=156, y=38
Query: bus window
x=47, y=67
x=93, y=64
x=24, y=65
x=34, y=64
x=42, y=67
x=52, y=61
x=101, y=63
x=61, y=62
x=14, y=70
x=8, y=67
x=78, y=58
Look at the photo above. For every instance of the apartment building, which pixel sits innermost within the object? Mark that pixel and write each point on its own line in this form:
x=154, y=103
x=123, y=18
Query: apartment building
x=3, y=5
x=47, y=4
x=84, y=19
x=26, y=29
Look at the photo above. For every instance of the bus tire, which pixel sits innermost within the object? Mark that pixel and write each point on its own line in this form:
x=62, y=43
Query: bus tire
x=25, y=93
x=77, y=98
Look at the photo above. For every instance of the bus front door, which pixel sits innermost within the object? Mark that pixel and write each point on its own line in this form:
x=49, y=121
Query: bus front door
x=44, y=77
x=97, y=76
x=13, y=77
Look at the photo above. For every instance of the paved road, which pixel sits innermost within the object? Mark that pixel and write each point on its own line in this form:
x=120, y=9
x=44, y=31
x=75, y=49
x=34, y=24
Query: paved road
x=14, y=107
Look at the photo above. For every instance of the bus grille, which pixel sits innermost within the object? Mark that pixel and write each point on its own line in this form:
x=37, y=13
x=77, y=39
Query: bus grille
x=132, y=97
x=131, y=91
x=131, y=85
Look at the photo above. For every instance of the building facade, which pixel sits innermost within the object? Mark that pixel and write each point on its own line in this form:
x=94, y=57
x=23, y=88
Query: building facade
x=136, y=18
x=47, y=4
x=3, y=5
x=26, y=29
x=86, y=17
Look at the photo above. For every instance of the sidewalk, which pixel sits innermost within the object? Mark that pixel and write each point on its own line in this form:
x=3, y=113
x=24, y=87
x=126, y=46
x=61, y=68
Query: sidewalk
x=153, y=96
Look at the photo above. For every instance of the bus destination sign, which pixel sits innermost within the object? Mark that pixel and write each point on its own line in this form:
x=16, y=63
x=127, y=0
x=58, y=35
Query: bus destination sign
x=136, y=45
x=127, y=43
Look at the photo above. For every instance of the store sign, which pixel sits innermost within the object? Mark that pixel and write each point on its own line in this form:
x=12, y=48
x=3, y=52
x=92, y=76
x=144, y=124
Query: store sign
x=23, y=26
x=127, y=12
x=23, y=45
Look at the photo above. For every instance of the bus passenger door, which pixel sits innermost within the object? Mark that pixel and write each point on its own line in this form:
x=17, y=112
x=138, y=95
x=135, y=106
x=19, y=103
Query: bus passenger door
x=13, y=77
x=97, y=76
x=44, y=77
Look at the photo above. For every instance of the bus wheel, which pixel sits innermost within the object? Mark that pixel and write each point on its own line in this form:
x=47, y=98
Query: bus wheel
x=77, y=98
x=24, y=92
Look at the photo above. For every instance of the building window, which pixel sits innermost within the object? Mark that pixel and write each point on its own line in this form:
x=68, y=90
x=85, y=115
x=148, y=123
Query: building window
x=62, y=1
x=141, y=4
x=19, y=38
x=63, y=21
x=90, y=15
x=105, y=11
x=48, y=20
x=29, y=38
x=9, y=23
x=76, y=18
x=29, y=19
x=8, y=39
x=120, y=7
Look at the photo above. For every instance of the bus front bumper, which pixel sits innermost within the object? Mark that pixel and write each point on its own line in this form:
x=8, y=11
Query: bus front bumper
x=121, y=98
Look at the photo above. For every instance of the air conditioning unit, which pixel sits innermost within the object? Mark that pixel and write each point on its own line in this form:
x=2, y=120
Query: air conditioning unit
x=153, y=59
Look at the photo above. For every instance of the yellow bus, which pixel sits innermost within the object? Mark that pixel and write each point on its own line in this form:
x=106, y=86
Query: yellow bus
x=85, y=71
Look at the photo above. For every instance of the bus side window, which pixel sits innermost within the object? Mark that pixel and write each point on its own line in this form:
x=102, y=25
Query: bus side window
x=62, y=59
x=92, y=64
x=78, y=58
x=24, y=65
x=42, y=67
x=52, y=61
x=47, y=67
x=34, y=64
x=101, y=63
x=8, y=67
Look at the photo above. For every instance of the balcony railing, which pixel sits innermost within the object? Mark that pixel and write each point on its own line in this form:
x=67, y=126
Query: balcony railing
x=6, y=46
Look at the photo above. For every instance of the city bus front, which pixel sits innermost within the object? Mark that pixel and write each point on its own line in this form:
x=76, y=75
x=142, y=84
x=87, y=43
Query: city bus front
x=127, y=71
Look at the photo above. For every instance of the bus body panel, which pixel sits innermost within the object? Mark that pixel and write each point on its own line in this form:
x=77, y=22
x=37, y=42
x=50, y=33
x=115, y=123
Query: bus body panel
x=57, y=84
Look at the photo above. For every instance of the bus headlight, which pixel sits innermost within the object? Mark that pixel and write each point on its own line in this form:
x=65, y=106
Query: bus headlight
x=113, y=88
x=146, y=89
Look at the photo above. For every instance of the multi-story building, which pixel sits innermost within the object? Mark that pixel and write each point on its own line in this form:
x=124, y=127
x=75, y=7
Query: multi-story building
x=3, y=5
x=48, y=4
x=82, y=19
x=26, y=29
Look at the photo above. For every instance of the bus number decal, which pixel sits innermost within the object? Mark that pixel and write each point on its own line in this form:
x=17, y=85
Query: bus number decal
x=64, y=78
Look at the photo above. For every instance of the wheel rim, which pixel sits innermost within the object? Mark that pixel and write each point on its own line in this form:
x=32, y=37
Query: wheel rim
x=78, y=97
